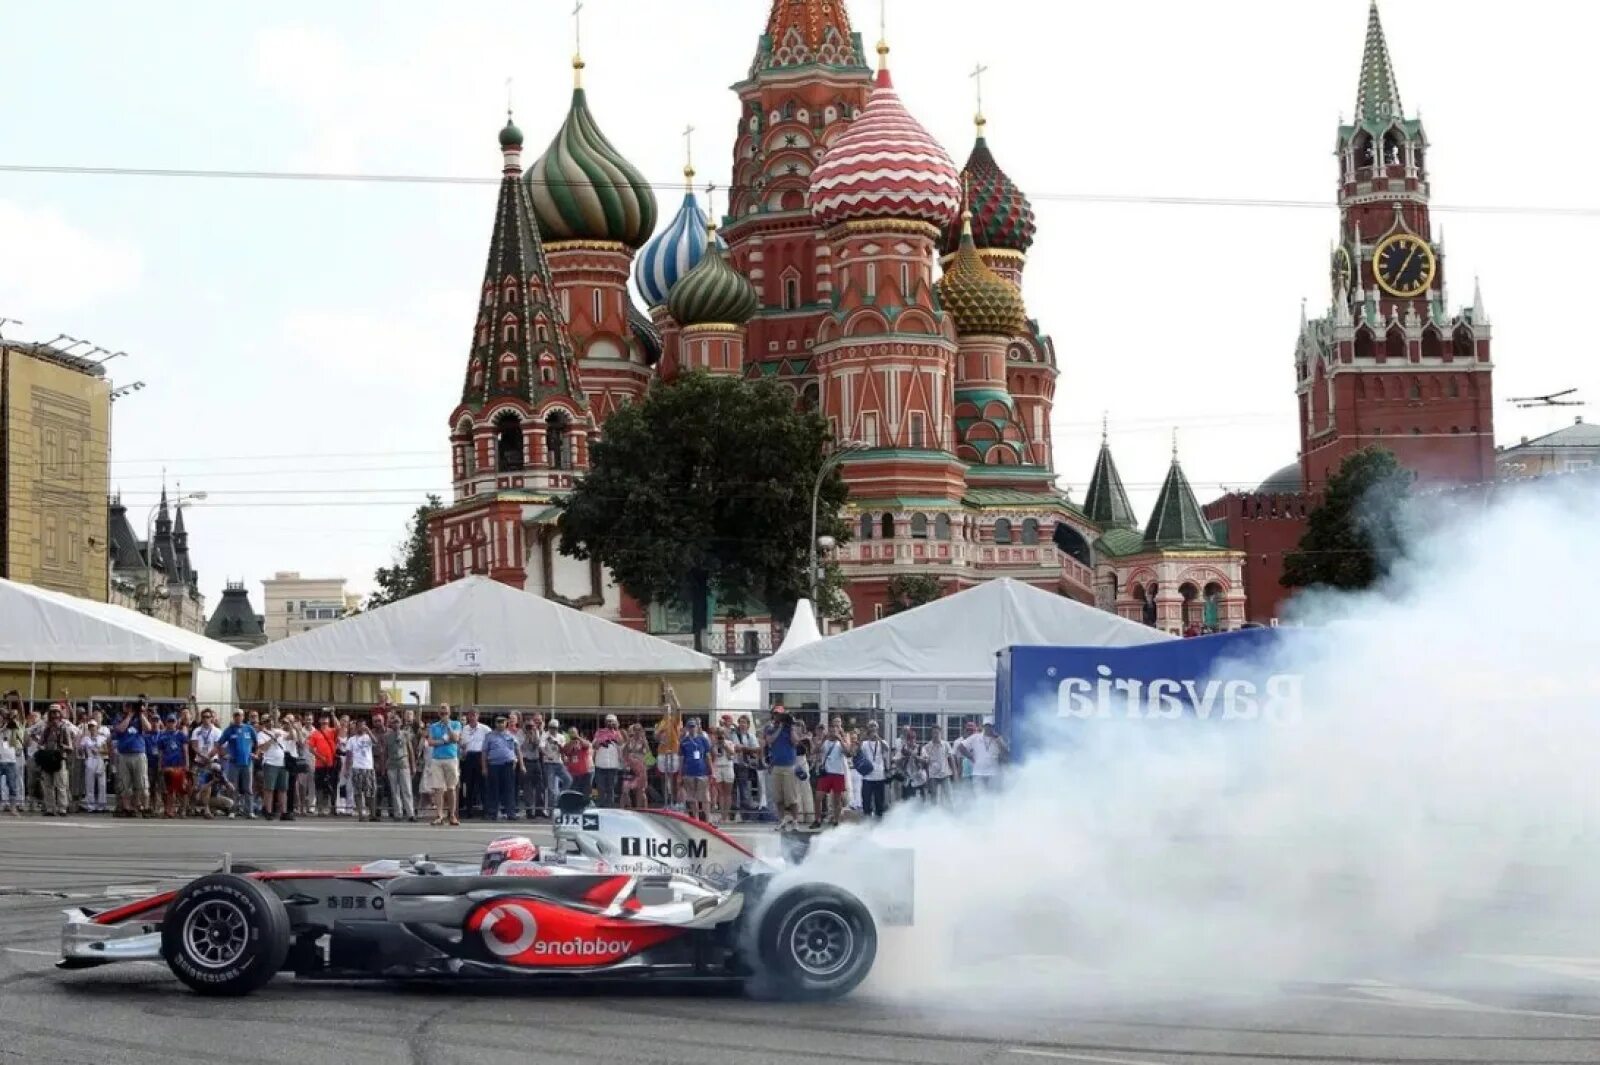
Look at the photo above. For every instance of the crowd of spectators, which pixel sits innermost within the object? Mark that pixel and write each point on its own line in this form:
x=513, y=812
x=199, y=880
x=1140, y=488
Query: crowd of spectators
x=137, y=760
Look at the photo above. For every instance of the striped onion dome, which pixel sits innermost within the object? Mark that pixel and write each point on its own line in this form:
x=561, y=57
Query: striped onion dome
x=713, y=293
x=982, y=302
x=885, y=165
x=671, y=253
x=583, y=189
x=1002, y=217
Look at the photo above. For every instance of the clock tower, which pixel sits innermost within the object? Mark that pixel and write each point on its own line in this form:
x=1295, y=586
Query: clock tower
x=1390, y=365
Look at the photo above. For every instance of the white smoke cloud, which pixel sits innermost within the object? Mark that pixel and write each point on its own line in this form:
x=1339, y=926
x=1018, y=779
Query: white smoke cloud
x=1437, y=798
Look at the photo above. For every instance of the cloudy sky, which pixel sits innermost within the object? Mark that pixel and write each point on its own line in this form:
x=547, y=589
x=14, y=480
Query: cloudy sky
x=303, y=342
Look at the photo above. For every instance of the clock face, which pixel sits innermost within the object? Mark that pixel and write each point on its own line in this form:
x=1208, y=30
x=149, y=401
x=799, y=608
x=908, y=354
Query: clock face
x=1403, y=265
x=1343, y=269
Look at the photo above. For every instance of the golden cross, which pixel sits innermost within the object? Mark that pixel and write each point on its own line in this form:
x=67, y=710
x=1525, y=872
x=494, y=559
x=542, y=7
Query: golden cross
x=577, y=28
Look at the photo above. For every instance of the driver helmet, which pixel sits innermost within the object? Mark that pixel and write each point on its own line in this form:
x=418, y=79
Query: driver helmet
x=511, y=849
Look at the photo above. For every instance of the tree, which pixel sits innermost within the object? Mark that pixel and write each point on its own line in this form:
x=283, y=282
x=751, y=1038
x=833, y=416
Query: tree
x=909, y=590
x=704, y=488
x=1355, y=536
x=412, y=571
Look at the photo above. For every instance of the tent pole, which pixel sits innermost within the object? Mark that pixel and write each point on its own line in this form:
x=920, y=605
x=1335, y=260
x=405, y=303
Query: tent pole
x=33, y=669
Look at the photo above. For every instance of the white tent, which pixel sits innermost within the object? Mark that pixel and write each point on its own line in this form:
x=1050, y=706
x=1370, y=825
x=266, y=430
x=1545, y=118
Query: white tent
x=939, y=657
x=480, y=628
x=746, y=695
x=102, y=644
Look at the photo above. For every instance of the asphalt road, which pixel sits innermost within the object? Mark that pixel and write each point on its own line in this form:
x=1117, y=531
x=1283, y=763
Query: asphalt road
x=138, y=1014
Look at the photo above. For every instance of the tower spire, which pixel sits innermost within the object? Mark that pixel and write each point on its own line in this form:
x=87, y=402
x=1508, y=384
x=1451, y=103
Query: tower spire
x=688, y=157
x=977, y=78
x=1378, y=96
x=1106, y=501
x=577, y=45
x=883, y=35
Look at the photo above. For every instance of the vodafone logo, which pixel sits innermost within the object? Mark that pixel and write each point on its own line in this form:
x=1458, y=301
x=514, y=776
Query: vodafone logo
x=508, y=931
x=583, y=948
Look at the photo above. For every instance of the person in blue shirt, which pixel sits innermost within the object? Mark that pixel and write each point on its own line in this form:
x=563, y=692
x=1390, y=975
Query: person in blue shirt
x=781, y=757
x=444, y=753
x=133, y=772
x=172, y=749
x=238, y=744
x=696, y=752
x=501, y=760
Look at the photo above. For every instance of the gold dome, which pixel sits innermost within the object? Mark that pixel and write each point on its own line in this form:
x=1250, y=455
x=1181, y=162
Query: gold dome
x=982, y=302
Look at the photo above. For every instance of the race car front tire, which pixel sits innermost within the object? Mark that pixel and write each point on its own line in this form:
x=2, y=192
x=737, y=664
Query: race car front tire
x=814, y=942
x=225, y=934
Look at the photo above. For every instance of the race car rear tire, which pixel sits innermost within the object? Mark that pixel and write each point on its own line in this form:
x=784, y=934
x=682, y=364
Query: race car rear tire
x=225, y=935
x=814, y=942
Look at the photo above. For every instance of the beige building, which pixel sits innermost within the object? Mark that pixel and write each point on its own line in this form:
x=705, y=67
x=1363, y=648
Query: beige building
x=296, y=604
x=55, y=425
x=1567, y=450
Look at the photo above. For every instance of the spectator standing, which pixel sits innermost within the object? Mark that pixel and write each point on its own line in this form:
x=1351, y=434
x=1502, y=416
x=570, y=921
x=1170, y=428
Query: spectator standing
x=399, y=761
x=746, y=769
x=296, y=766
x=172, y=754
x=695, y=748
x=238, y=743
x=669, y=737
x=444, y=748
x=203, y=739
x=473, y=775
x=608, y=762
x=272, y=751
x=500, y=757
x=133, y=774
x=873, y=764
x=52, y=757
x=92, y=756
x=636, y=769
x=781, y=756
x=323, y=744
x=359, y=748
x=832, y=766
x=556, y=777
x=723, y=774
x=12, y=743
x=909, y=768
x=986, y=750
x=939, y=758
x=532, y=766
x=578, y=755
x=378, y=729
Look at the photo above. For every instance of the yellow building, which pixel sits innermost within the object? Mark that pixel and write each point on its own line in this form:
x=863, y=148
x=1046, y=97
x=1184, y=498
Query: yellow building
x=55, y=415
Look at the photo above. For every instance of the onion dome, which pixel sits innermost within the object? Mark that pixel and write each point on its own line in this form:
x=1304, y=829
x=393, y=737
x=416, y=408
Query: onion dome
x=885, y=165
x=713, y=293
x=583, y=189
x=1002, y=217
x=981, y=301
x=673, y=252
x=510, y=136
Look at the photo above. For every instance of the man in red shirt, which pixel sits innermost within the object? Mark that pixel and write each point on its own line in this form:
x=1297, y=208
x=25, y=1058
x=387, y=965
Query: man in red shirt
x=324, y=746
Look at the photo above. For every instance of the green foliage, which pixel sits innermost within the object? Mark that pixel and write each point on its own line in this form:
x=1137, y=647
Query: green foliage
x=704, y=488
x=909, y=590
x=412, y=571
x=1354, y=538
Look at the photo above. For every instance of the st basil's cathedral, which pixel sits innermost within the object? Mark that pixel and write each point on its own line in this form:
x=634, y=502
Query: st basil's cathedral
x=860, y=267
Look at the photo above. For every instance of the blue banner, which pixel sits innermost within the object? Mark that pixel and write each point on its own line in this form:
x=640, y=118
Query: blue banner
x=1225, y=677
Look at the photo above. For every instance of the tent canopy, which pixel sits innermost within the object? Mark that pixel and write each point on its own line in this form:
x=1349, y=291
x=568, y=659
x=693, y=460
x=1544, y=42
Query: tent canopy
x=746, y=695
x=37, y=625
x=475, y=626
x=957, y=637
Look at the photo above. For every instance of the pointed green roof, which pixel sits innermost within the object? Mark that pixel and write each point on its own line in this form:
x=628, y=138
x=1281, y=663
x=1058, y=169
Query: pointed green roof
x=1378, y=96
x=1177, y=520
x=1106, y=502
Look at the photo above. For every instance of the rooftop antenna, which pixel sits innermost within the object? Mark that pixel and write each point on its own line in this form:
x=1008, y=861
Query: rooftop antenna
x=1550, y=399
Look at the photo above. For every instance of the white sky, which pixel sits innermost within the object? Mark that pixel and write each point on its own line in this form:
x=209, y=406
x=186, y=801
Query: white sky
x=303, y=343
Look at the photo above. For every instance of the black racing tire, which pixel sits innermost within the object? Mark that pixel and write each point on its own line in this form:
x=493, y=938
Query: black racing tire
x=225, y=935
x=814, y=942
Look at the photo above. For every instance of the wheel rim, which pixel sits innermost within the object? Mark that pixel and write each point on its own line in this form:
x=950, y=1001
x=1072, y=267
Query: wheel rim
x=215, y=934
x=822, y=942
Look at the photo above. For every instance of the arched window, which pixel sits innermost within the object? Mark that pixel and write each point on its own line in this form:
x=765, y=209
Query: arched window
x=809, y=396
x=1395, y=346
x=1366, y=347
x=791, y=293
x=866, y=526
x=1432, y=346
x=1415, y=391
x=511, y=332
x=508, y=437
x=1070, y=541
x=1464, y=347
x=919, y=526
x=1455, y=388
x=555, y=439
x=597, y=307
x=888, y=526
x=1030, y=531
x=941, y=527
x=1364, y=155
x=1002, y=531
x=1393, y=153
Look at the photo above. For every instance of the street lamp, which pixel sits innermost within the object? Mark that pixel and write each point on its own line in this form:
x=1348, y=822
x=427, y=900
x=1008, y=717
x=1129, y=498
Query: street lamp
x=845, y=448
x=150, y=548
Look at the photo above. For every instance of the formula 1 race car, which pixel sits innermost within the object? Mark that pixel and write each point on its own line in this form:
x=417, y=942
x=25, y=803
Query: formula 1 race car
x=623, y=893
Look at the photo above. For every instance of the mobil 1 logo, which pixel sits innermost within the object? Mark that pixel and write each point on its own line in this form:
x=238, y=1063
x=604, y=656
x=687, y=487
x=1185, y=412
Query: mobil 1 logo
x=662, y=849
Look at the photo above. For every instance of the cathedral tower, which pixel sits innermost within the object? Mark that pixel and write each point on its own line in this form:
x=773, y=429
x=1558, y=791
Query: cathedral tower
x=809, y=79
x=1391, y=365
